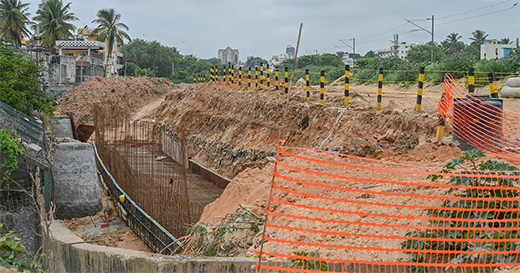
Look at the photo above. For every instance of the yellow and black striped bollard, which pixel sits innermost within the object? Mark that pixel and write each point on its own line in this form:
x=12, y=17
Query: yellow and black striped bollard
x=307, y=86
x=493, y=89
x=249, y=80
x=471, y=80
x=420, y=87
x=211, y=75
x=194, y=80
x=380, y=89
x=442, y=118
x=277, y=83
x=232, y=75
x=261, y=76
x=322, y=87
x=239, y=78
x=496, y=55
x=347, y=84
x=216, y=75
x=268, y=80
x=256, y=77
x=286, y=82
x=224, y=76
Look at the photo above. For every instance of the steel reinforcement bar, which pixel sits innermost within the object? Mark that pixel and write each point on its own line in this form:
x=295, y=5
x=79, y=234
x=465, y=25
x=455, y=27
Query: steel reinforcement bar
x=155, y=236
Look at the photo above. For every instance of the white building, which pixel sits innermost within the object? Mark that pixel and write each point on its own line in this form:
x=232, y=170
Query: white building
x=490, y=49
x=400, y=51
x=228, y=55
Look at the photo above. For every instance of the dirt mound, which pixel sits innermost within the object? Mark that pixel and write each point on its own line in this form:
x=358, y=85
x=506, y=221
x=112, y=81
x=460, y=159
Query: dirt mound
x=218, y=120
x=123, y=96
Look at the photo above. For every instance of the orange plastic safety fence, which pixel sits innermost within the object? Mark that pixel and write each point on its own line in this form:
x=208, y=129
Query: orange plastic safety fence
x=481, y=122
x=339, y=213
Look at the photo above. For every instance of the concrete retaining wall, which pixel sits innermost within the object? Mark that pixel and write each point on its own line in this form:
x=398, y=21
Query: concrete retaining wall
x=94, y=258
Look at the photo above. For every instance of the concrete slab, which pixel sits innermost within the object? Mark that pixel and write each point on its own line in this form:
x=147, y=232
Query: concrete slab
x=76, y=184
x=64, y=129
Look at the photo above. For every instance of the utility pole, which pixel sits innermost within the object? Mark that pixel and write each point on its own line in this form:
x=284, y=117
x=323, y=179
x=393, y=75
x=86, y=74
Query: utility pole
x=353, y=45
x=431, y=32
x=173, y=68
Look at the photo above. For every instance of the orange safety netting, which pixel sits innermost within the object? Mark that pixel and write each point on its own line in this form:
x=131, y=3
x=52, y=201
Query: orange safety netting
x=479, y=122
x=338, y=213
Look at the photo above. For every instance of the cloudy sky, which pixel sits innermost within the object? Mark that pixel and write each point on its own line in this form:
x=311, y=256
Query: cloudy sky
x=265, y=28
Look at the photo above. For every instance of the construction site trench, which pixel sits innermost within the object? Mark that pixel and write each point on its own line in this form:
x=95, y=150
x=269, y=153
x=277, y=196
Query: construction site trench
x=235, y=134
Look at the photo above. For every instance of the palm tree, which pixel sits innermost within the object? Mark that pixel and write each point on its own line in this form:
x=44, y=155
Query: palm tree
x=53, y=19
x=505, y=41
x=13, y=20
x=479, y=37
x=452, y=44
x=109, y=29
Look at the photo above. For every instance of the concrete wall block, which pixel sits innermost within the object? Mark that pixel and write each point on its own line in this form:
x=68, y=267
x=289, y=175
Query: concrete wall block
x=64, y=129
x=77, y=191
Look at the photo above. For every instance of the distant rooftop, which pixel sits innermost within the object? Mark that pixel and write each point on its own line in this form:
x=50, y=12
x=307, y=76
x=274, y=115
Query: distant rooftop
x=80, y=44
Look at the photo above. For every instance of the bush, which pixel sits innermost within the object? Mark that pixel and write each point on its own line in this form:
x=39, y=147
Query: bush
x=14, y=255
x=19, y=83
x=450, y=227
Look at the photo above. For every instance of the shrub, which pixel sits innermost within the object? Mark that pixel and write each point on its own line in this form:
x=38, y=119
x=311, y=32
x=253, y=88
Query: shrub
x=494, y=211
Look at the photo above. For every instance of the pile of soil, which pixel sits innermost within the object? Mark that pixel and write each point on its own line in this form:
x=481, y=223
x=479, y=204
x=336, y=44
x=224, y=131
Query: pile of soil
x=222, y=123
x=123, y=96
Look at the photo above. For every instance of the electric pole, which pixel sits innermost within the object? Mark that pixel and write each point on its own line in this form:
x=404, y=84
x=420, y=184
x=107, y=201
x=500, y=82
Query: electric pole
x=431, y=32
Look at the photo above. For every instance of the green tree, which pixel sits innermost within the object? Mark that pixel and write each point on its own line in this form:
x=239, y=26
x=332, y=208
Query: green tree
x=307, y=60
x=254, y=61
x=14, y=20
x=479, y=37
x=340, y=54
x=505, y=41
x=329, y=59
x=19, y=81
x=370, y=54
x=422, y=54
x=109, y=29
x=452, y=44
x=53, y=20
x=153, y=55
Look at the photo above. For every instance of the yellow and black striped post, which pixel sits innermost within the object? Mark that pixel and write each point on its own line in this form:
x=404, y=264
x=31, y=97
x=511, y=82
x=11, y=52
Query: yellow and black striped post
x=211, y=74
x=249, y=79
x=380, y=89
x=194, y=80
x=224, y=77
x=277, y=83
x=322, y=87
x=485, y=57
x=307, y=86
x=267, y=79
x=216, y=75
x=347, y=84
x=239, y=78
x=471, y=80
x=232, y=76
x=493, y=89
x=256, y=77
x=286, y=82
x=420, y=87
x=442, y=118
x=261, y=76
x=496, y=55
